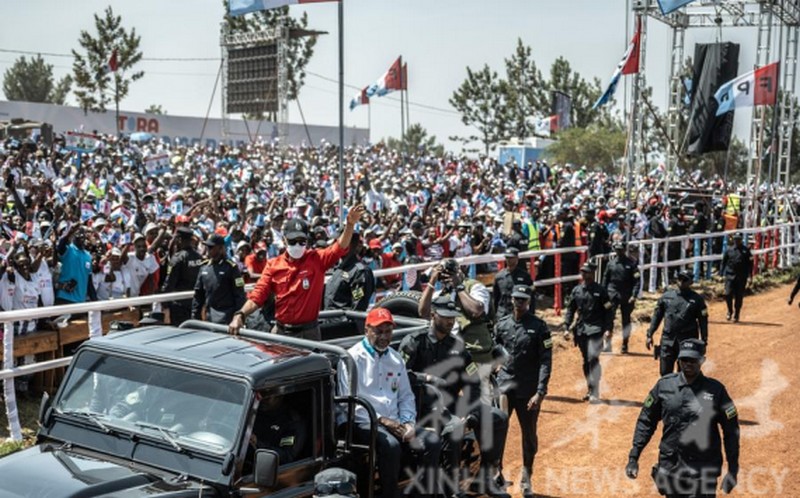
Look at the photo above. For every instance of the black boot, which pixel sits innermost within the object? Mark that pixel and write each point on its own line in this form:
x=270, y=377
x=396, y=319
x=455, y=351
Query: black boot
x=624, y=346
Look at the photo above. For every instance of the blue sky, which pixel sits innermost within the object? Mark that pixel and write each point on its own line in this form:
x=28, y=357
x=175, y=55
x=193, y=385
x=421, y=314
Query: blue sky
x=438, y=39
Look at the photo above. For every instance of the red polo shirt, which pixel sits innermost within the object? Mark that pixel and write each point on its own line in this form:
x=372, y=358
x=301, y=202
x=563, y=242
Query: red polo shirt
x=297, y=284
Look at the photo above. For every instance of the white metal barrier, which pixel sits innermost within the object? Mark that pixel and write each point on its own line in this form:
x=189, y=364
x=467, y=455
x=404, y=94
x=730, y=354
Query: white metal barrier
x=789, y=247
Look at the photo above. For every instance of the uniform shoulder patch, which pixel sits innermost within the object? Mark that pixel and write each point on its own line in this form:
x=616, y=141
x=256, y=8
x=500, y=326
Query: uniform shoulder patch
x=730, y=412
x=472, y=368
x=239, y=282
x=704, y=312
x=636, y=275
x=648, y=402
x=232, y=263
x=547, y=343
x=287, y=441
x=607, y=305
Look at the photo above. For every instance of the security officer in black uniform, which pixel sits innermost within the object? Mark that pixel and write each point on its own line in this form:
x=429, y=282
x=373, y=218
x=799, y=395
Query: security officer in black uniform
x=676, y=228
x=686, y=318
x=717, y=226
x=524, y=376
x=220, y=285
x=506, y=279
x=591, y=300
x=597, y=233
x=182, y=273
x=438, y=358
x=737, y=268
x=621, y=280
x=699, y=225
x=352, y=284
x=693, y=408
x=280, y=428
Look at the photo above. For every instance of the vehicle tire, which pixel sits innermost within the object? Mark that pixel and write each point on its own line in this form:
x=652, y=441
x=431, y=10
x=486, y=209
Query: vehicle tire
x=404, y=303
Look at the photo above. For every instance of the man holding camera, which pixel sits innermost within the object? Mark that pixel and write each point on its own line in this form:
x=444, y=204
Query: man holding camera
x=438, y=358
x=473, y=302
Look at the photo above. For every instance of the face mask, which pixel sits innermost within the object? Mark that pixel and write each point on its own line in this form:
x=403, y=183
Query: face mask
x=296, y=252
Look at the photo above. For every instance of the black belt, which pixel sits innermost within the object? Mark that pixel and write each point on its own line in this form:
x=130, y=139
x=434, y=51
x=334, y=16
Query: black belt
x=297, y=327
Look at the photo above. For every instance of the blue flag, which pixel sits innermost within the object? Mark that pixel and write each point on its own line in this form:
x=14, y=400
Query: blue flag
x=668, y=6
x=612, y=87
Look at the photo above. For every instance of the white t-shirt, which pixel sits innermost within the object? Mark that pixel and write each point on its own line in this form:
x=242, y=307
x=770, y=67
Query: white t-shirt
x=138, y=270
x=44, y=279
x=109, y=290
x=478, y=292
x=20, y=295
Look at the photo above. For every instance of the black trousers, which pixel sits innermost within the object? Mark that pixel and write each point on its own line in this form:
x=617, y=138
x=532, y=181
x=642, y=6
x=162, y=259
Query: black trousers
x=667, y=360
x=590, y=346
x=734, y=294
x=626, y=310
x=179, y=314
x=426, y=449
x=491, y=432
x=528, y=419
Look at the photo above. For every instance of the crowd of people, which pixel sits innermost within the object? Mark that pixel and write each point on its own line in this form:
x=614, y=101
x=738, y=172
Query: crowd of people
x=131, y=219
x=84, y=225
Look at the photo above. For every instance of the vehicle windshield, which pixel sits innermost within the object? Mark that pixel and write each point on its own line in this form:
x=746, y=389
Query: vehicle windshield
x=182, y=408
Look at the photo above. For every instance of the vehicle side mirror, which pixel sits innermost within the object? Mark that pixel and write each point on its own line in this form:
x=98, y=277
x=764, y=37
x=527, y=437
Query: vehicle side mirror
x=44, y=410
x=266, y=472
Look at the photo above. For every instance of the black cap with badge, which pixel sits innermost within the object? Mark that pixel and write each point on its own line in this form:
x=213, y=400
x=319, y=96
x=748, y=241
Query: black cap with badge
x=295, y=228
x=521, y=291
x=445, y=307
x=511, y=252
x=693, y=349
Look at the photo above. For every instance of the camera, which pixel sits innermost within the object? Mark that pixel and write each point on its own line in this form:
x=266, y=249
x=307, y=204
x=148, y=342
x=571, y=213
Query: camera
x=450, y=266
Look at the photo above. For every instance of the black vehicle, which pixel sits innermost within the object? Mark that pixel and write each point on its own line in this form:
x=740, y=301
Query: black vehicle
x=168, y=412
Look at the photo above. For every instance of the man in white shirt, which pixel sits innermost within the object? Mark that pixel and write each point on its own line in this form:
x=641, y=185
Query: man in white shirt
x=140, y=265
x=383, y=383
x=19, y=291
x=41, y=272
x=114, y=281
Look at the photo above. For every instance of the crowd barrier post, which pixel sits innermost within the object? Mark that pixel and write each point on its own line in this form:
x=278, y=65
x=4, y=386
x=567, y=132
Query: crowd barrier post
x=557, y=304
x=532, y=268
x=775, y=245
x=640, y=255
x=9, y=393
x=698, y=265
x=665, y=270
x=709, y=250
x=653, y=267
x=95, y=323
x=756, y=257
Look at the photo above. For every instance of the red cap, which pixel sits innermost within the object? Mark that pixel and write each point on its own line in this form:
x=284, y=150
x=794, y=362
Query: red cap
x=221, y=230
x=375, y=244
x=379, y=316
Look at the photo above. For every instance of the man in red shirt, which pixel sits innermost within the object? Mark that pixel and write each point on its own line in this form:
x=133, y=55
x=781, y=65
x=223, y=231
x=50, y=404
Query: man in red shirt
x=255, y=262
x=297, y=279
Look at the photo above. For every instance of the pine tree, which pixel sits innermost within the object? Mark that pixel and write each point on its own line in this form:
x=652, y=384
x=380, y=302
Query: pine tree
x=527, y=92
x=96, y=86
x=481, y=101
x=32, y=81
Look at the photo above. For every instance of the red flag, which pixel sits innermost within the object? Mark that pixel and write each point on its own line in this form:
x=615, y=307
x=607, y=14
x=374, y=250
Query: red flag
x=632, y=64
x=393, y=77
x=113, y=64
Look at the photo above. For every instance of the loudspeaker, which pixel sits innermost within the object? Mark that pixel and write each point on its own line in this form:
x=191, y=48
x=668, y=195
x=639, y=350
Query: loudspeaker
x=714, y=65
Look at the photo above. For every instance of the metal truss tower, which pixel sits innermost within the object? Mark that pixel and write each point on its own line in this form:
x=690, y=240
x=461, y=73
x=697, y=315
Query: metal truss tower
x=764, y=16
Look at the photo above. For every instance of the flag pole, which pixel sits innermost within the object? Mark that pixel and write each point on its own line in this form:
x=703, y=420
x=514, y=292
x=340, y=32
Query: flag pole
x=341, y=113
x=402, y=110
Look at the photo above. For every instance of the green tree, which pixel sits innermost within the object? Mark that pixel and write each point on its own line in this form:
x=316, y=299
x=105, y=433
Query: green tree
x=595, y=145
x=156, y=109
x=416, y=140
x=301, y=44
x=584, y=94
x=526, y=92
x=97, y=87
x=481, y=101
x=32, y=81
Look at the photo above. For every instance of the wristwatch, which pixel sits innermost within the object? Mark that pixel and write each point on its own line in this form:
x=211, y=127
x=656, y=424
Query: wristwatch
x=240, y=312
x=460, y=288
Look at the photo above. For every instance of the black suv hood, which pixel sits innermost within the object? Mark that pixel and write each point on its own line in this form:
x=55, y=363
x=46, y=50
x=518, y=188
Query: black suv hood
x=48, y=471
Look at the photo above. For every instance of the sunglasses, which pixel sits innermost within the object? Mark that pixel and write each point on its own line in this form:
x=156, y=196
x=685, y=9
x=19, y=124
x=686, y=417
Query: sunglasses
x=297, y=242
x=336, y=488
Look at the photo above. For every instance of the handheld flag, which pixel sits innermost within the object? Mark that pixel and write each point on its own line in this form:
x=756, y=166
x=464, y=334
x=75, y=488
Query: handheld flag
x=359, y=99
x=668, y=6
x=241, y=7
x=759, y=87
x=389, y=82
x=628, y=65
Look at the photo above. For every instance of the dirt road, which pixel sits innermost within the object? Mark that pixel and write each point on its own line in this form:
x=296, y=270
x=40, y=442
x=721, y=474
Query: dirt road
x=583, y=448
